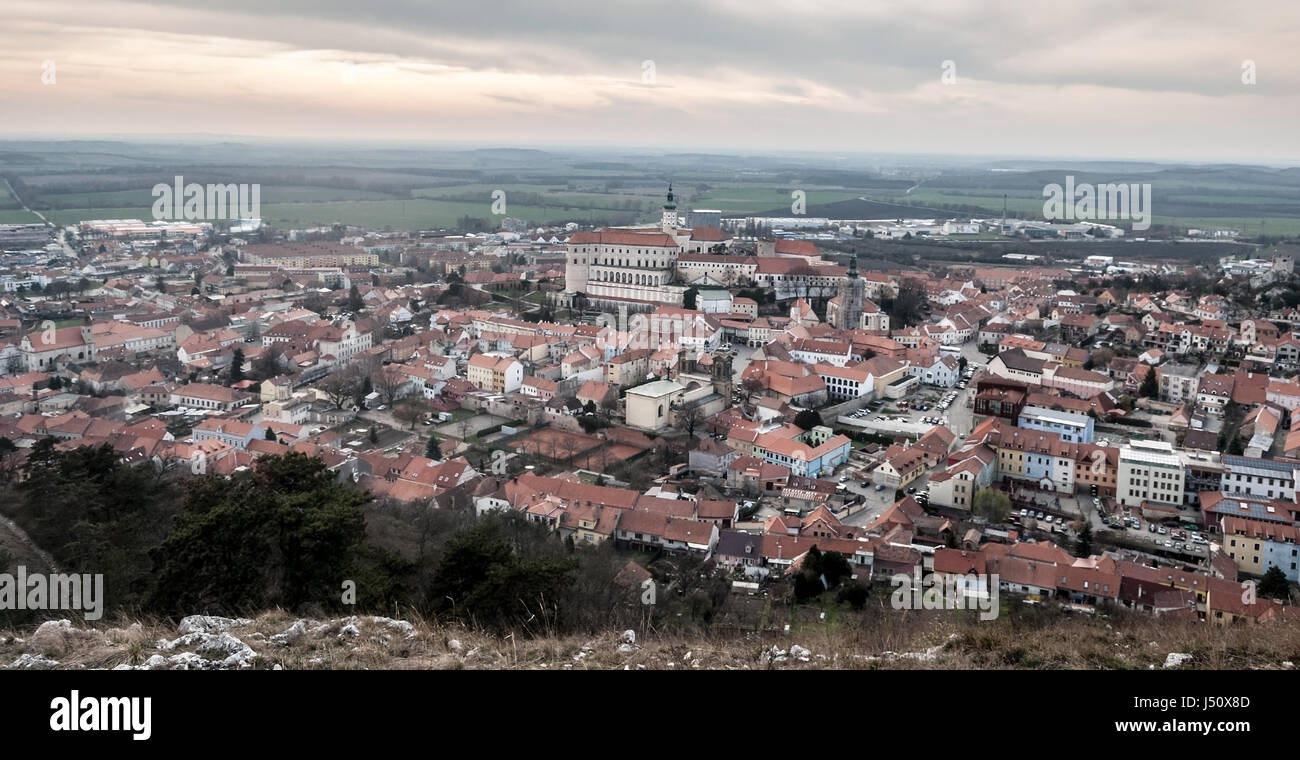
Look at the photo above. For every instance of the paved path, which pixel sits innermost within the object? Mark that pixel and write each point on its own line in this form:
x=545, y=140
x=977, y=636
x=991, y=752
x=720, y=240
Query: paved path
x=26, y=541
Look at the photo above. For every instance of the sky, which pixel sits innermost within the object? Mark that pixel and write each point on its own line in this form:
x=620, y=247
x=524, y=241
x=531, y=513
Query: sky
x=1186, y=80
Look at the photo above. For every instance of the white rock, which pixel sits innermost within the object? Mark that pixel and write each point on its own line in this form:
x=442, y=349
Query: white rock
x=800, y=653
x=53, y=627
x=626, y=648
x=455, y=645
x=27, y=661
x=208, y=624
x=238, y=654
x=1174, y=659
x=291, y=634
x=629, y=636
x=400, y=626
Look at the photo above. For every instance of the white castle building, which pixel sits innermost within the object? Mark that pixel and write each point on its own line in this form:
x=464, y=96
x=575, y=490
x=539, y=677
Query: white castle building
x=631, y=267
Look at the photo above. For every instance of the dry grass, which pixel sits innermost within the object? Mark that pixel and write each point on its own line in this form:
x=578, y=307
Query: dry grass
x=895, y=641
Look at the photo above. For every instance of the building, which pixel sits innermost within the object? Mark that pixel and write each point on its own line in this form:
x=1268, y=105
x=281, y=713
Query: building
x=205, y=396
x=1255, y=546
x=1178, y=382
x=650, y=406
x=314, y=254
x=497, y=374
x=1259, y=478
x=45, y=349
x=1073, y=428
x=624, y=267
x=846, y=311
x=1149, y=471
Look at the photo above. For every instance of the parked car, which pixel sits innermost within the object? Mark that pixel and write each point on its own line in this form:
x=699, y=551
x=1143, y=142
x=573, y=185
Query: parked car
x=880, y=486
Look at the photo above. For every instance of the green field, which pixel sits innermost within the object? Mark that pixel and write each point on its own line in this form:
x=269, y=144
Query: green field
x=404, y=187
x=742, y=200
x=17, y=216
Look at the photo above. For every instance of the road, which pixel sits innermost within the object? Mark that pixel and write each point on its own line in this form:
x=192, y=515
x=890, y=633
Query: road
x=23, y=203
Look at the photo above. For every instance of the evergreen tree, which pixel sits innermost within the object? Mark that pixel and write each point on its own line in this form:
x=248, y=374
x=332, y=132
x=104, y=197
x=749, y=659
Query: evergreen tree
x=1083, y=546
x=1150, y=386
x=1274, y=584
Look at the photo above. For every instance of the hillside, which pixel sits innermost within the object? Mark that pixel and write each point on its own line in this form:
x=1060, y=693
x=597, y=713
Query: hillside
x=277, y=640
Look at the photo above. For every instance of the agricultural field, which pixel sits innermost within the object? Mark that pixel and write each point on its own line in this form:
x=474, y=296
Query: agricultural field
x=1253, y=200
x=420, y=189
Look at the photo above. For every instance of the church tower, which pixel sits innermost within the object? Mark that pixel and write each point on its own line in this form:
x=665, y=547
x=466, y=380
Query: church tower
x=669, y=219
x=852, y=294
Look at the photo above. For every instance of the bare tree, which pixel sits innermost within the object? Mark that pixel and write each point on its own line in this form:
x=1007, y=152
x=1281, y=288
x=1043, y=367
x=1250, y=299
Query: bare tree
x=341, y=385
x=750, y=387
x=609, y=405
x=388, y=382
x=411, y=412
x=688, y=418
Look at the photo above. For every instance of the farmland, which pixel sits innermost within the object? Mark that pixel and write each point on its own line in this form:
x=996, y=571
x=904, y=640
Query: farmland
x=414, y=188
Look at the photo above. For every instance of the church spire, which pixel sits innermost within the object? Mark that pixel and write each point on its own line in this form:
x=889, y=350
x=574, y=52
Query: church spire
x=669, y=220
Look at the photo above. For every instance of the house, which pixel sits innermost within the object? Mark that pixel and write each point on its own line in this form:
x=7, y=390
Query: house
x=206, y=396
x=496, y=374
x=643, y=530
x=737, y=551
x=942, y=372
x=901, y=466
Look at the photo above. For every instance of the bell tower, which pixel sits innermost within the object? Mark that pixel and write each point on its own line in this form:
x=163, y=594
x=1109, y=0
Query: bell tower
x=669, y=218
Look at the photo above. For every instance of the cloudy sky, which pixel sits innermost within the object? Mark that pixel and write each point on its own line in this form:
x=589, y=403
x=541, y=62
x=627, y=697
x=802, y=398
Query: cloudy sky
x=1094, y=79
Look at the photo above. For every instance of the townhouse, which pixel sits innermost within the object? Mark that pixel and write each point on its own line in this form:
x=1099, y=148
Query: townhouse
x=1255, y=545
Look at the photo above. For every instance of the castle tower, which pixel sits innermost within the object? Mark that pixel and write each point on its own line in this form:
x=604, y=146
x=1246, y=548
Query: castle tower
x=669, y=219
